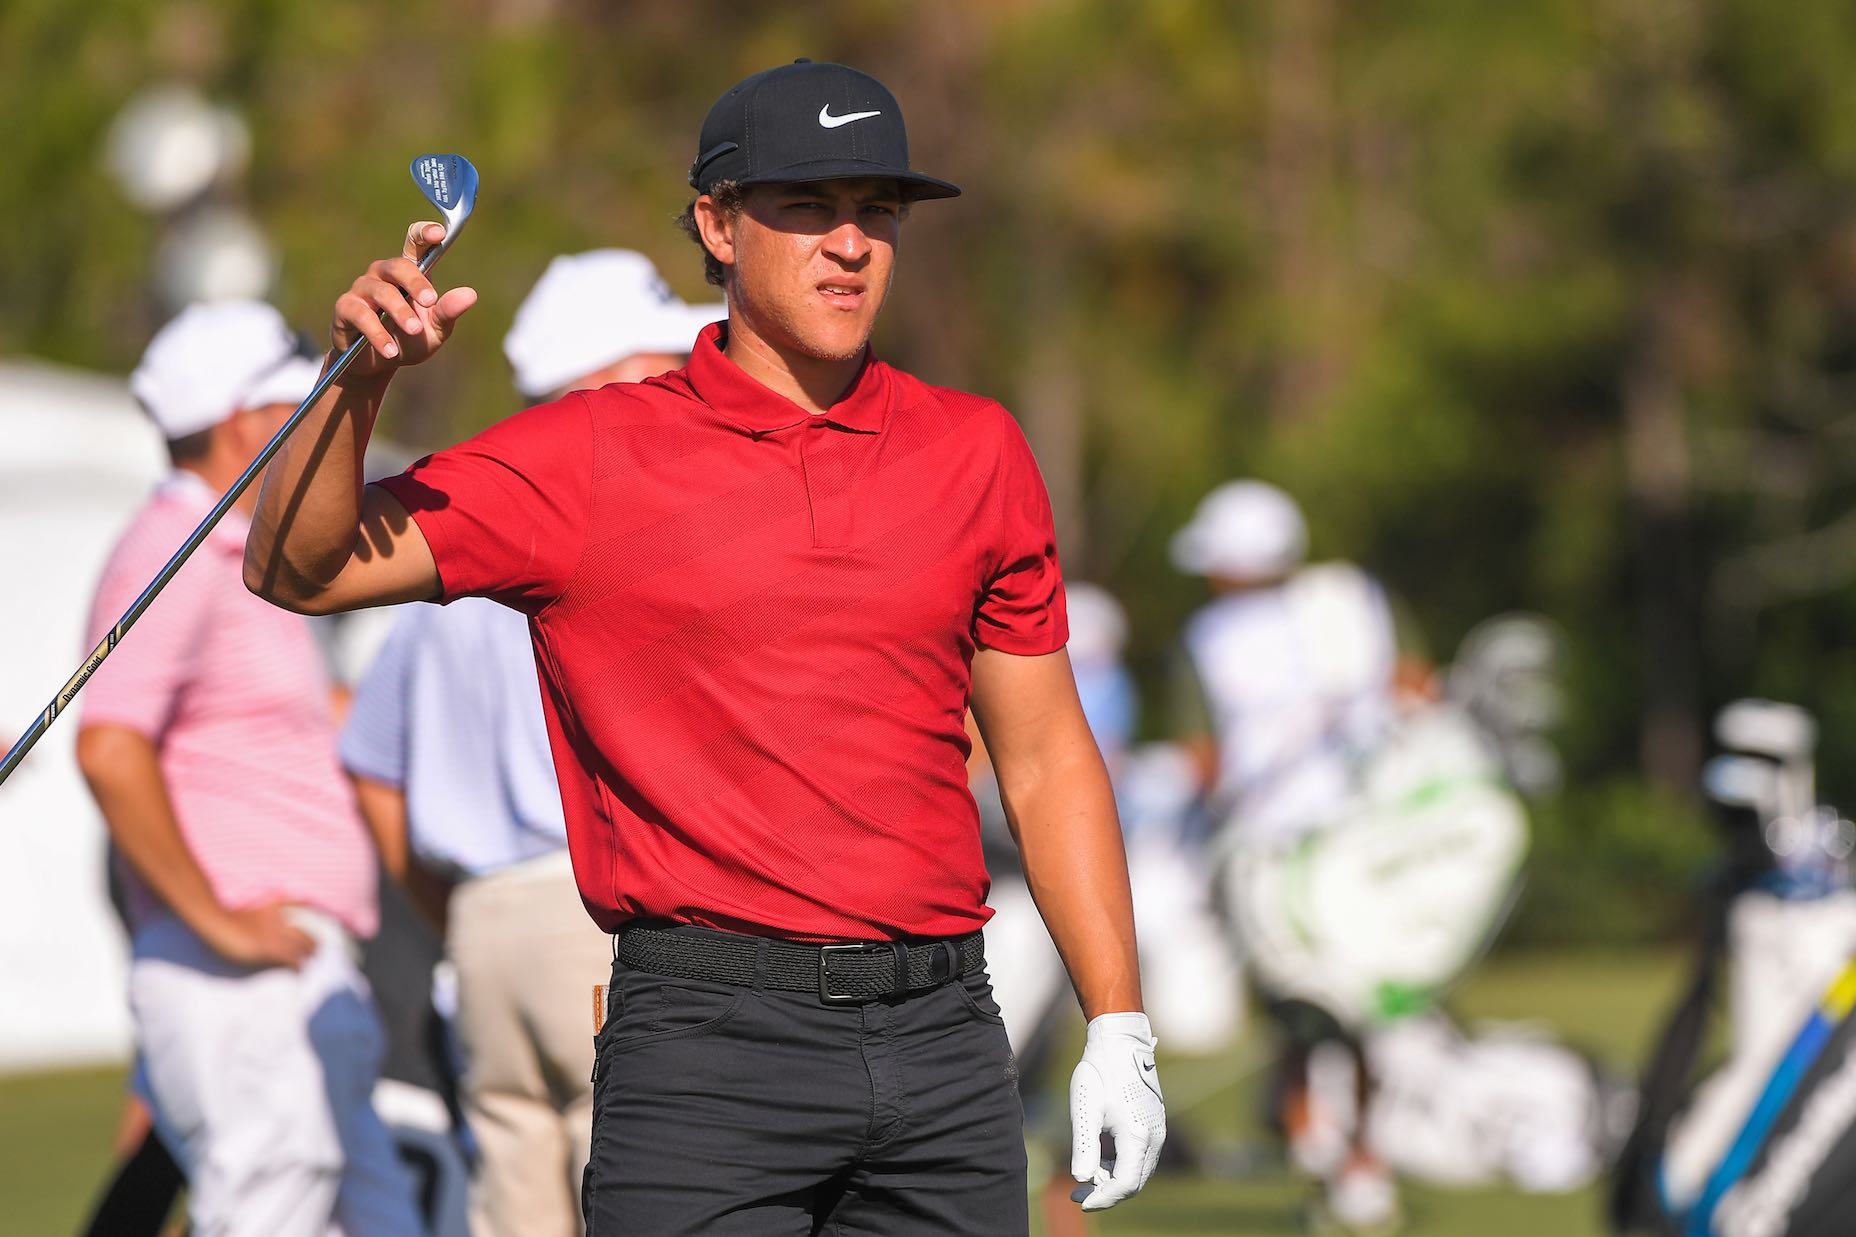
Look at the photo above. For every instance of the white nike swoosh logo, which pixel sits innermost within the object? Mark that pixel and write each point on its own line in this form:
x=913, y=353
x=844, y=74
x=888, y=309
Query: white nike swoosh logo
x=829, y=121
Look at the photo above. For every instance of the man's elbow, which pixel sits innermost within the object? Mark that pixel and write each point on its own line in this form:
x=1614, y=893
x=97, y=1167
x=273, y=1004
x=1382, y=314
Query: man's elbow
x=107, y=756
x=92, y=755
x=280, y=589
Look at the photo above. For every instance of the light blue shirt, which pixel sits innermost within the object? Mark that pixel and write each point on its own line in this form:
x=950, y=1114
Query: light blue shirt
x=450, y=712
x=1110, y=706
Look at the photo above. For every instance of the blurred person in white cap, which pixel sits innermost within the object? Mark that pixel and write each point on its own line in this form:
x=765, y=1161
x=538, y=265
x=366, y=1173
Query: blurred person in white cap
x=598, y=317
x=449, y=751
x=210, y=749
x=1285, y=686
x=1293, y=663
x=1028, y=975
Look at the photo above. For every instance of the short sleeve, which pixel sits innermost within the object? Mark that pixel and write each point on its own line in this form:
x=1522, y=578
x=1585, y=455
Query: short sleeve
x=505, y=513
x=140, y=686
x=1022, y=609
x=374, y=740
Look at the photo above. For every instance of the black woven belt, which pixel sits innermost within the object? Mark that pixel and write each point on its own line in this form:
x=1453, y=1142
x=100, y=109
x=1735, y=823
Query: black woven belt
x=852, y=974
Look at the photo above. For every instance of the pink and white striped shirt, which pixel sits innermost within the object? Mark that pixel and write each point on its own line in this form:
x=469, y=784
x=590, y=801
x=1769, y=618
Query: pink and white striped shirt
x=233, y=693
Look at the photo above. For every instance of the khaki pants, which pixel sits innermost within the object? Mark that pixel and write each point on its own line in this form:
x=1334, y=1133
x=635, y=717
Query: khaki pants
x=527, y=957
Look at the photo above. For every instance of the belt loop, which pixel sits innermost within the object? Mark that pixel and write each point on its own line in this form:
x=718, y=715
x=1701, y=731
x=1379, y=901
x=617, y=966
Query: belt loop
x=952, y=956
x=762, y=948
x=901, y=952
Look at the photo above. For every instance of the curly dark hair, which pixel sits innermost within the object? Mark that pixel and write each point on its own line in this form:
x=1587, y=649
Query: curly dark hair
x=727, y=197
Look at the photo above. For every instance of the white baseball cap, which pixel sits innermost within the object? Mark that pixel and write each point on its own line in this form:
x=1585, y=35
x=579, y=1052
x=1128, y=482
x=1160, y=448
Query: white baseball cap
x=1243, y=530
x=213, y=359
x=591, y=309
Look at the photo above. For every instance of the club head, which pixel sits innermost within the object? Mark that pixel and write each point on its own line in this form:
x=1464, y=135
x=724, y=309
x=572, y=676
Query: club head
x=1767, y=728
x=449, y=182
x=1743, y=782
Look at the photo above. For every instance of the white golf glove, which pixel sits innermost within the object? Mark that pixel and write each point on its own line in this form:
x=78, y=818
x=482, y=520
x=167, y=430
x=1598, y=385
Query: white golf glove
x=1115, y=1091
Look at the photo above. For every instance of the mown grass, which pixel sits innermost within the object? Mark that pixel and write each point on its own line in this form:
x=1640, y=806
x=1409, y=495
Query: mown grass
x=1609, y=1003
x=55, y=1128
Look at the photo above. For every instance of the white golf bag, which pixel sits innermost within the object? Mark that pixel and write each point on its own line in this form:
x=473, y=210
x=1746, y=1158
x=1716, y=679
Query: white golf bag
x=1502, y=1104
x=1374, y=914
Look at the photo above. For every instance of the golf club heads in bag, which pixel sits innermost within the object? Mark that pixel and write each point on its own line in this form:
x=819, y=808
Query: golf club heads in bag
x=1765, y=1145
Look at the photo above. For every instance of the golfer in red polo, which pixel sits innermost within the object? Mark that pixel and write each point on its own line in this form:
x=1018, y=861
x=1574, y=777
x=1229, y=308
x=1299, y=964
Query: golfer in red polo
x=763, y=591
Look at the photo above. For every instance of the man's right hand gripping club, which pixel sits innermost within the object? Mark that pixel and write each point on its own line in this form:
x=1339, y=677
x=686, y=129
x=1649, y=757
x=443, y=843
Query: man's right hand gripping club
x=1115, y=1090
x=320, y=543
x=399, y=311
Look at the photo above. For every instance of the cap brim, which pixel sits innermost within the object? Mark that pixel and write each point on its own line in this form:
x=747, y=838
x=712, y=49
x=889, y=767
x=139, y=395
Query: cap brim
x=915, y=186
x=290, y=383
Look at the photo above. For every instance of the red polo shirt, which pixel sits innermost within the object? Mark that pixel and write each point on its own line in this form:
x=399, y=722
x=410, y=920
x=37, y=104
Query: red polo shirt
x=754, y=628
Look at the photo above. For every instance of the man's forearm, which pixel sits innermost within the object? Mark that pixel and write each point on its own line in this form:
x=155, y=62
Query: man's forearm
x=124, y=773
x=308, y=515
x=1070, y=840
x=383, y=807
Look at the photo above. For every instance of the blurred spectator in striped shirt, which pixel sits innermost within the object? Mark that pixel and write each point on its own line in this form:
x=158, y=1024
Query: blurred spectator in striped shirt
x=210, y=748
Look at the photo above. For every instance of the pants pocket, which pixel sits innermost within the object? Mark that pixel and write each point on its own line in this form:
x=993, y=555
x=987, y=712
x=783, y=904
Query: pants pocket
x=656, y=1009
x=644, y=1011
x=975, y=991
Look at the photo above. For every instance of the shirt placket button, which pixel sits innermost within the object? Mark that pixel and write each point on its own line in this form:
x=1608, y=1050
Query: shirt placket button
x=823, y=453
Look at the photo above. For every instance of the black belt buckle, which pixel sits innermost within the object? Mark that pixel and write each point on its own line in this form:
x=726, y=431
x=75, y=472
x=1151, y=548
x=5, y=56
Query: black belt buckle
x=825, y=952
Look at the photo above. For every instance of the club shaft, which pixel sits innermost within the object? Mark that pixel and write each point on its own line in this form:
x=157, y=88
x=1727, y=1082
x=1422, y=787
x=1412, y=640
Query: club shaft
x=69, y=691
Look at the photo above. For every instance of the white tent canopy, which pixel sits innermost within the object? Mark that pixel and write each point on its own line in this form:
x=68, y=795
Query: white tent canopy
x=77, y=458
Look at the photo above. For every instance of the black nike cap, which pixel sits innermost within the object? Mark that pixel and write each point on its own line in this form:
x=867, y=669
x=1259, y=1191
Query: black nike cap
x=808, y=121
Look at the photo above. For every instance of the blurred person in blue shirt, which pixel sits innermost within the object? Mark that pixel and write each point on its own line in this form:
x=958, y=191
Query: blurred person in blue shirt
x=1029, y=981
x=450, y=754
x=1111, y=705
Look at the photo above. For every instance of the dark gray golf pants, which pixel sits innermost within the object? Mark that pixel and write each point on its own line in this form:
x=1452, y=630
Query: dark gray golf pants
x=720, y=1110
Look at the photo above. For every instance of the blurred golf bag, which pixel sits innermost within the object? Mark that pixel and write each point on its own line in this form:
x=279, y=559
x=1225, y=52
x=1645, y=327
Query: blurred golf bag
x=1371, y=919
x=1765, y=1145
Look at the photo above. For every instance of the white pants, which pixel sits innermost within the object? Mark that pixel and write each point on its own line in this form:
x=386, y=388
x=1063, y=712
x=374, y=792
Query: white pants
x=260, y=1083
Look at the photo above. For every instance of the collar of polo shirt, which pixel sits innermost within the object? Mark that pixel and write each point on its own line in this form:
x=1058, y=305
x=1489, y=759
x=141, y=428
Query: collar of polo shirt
x=722, y=385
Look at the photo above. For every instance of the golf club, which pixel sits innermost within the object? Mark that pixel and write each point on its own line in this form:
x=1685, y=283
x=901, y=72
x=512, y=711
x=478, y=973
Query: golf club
x=1742, y=781
x=1780, y=732
x=1766, y=728
x=449, y=182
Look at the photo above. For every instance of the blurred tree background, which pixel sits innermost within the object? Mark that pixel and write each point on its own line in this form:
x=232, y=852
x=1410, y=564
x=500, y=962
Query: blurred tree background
x=1546, y=306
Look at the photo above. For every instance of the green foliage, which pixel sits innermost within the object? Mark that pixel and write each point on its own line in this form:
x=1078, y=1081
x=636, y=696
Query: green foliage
x=1616, y=862
x=1537, y=305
